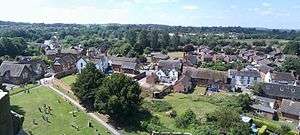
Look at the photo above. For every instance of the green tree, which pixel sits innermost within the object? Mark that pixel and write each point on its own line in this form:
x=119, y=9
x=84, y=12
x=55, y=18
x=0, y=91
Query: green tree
x=86, y=84
x=154, y=40
x=186, y=119
x=142, y=42
x=119, y=97
x=175, y=42
x=165, y=42
x=257, y=89
x=284, y=129
x=147, y=51
x=292, y=47
x=291, y=64
x=131, y=37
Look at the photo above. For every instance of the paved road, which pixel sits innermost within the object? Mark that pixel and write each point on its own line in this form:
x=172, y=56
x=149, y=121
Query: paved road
x=93, y=115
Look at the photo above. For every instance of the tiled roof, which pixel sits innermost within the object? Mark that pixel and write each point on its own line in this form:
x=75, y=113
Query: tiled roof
x=282, y=91
x=14, y=68
x=290, y=107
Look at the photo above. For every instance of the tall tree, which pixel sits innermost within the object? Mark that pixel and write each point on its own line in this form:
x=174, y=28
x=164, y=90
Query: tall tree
x=86, y=84
x=175, y=41
x=131, y=37
x=119, y=97
x=165, y=42
x=154, y=40
x=142, y=42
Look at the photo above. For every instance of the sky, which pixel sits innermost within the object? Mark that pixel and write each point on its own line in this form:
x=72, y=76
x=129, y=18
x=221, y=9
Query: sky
x=279, y=14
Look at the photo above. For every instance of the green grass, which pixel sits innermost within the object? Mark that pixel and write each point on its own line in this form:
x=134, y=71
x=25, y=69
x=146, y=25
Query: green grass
x=61, y=120
x=175, y=54
x=69, y=80
x=182, y=102
x=21, y=89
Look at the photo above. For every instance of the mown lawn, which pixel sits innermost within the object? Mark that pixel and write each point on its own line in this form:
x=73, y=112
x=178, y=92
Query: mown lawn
x=69, y=80
x=61, y=120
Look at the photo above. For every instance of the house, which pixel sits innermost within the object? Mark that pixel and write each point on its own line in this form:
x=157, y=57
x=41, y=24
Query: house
x=64, y=63
x=206, y=57
x=280, y=78
x=101, y=63
x=290, y=110
x=124, y=64
x=281, y=91
x=243, y=79
x=218, y=57
x=157, y=56
x=39, y=67
x=168, y=71
x=190, y=59
x=15, y=73
x=264, y=106
x=152, y=79
x=230, y=58
x=183, y=85
x=213, y=80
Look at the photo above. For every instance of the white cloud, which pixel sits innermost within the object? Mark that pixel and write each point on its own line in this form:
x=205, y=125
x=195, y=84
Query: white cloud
x=190, y=7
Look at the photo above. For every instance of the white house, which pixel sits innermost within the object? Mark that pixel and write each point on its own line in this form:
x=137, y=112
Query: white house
x=279, y=78
x=101, y=63
x=243, y=79
x=168, y=71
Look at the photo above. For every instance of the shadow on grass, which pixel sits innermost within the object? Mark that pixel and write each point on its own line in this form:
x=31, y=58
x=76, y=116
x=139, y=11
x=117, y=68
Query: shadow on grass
x=17, y=109
x=133, y=122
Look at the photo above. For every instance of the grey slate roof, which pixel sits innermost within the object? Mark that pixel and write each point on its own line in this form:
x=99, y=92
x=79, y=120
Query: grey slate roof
x=290, y=107
x=14, y=68
x=282, y=91
x=129, y=65
x=245, y=73
x=263, y=108
x=169, y=65
x=283, y=76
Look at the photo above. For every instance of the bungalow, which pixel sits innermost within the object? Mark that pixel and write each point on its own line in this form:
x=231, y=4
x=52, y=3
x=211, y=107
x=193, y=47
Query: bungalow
x=168, y=71
x=213, y=80
x=14, y=73
x=290, y=110
x=243, y=79
x=280, y=78
x=281, y=91
x=264, y=106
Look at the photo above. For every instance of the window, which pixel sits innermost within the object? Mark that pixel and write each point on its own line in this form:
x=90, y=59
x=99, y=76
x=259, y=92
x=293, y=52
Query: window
x=81, y=64
x=248, y=81
x=255, y=78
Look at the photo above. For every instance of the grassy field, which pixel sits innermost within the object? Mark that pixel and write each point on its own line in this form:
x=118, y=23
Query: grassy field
x=61, y=120
x=69, y=80
x=182, y=102
x=175, y=55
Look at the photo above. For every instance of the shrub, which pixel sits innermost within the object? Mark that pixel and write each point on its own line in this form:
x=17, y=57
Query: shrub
x=158, y=106
x=186, y=119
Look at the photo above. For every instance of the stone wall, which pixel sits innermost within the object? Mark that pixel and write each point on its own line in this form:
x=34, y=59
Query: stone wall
x=6, y=125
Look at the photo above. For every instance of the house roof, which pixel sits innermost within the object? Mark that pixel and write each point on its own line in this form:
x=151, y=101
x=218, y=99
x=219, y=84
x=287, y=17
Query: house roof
x=129, y=65
x=245, y=73
x=122, y=59
x=14, y=68
x=203, y=73
x=263, y=108
x=184, y=80
x=159, y=55
x=170, y=64
x=282, y=91
x=290, y=107
x=265, y=69
x=283, y=76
